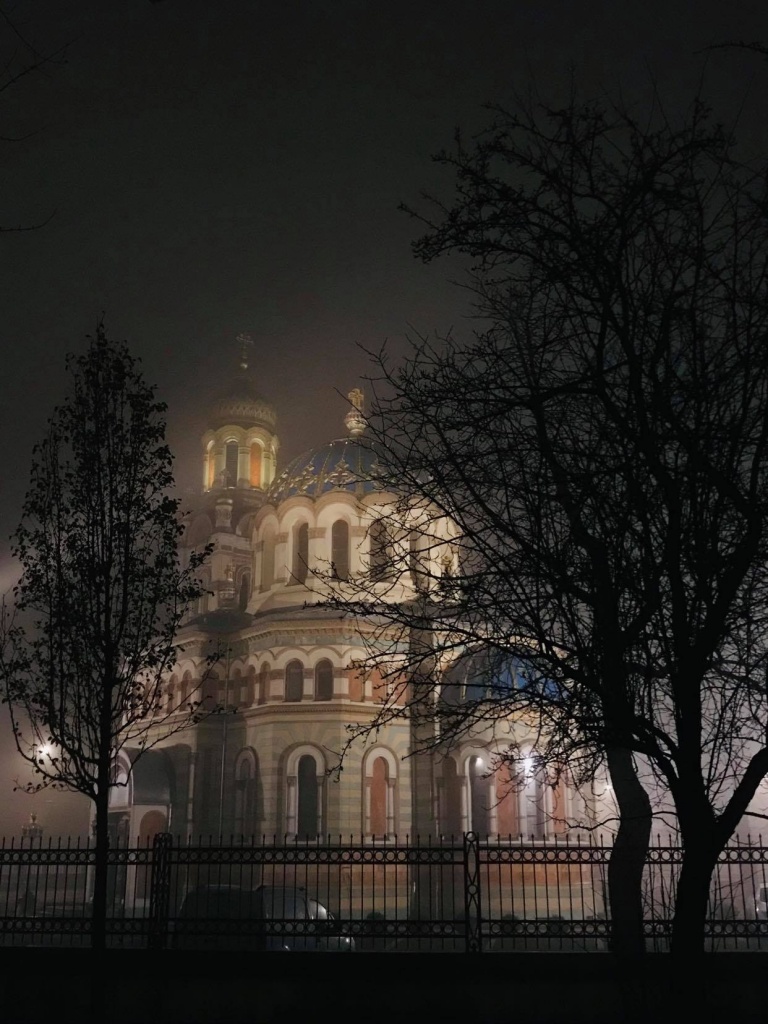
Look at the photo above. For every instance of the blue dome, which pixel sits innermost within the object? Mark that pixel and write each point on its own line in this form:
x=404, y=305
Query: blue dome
x=492, y=676
x=349, y=464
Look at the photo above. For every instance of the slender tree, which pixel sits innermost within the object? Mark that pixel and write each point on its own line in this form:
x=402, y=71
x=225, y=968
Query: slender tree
x=601, y=447
x=102, y=590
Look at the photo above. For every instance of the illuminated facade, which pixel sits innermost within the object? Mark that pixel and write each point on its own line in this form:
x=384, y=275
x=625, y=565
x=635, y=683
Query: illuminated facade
x=282, y=541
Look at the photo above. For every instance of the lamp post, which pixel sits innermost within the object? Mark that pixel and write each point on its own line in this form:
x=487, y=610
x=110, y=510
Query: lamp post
x=224, y=745
x=34, y=833
x=32, y=830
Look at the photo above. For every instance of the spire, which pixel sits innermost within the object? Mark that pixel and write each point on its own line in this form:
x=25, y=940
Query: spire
x=355, y=421
x=246, y=343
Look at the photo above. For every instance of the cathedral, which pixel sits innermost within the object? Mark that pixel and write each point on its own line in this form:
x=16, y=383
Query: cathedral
x=289, y=673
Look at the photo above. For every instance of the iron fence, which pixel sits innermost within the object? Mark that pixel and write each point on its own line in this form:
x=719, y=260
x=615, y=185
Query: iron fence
x=477, y=894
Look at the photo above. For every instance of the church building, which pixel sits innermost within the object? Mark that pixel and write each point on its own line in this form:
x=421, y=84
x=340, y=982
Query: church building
x=289, y=672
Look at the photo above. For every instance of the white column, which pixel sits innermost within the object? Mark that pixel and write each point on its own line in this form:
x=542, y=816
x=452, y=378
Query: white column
x=282, y=570
x=340, y=684
x=464, y=792
x=308, y=686
x=318, y=556
x=320, y=796
x=357, y=536
x=493, y=805
x=276, y=688
x=292, y=805
x=390, y=807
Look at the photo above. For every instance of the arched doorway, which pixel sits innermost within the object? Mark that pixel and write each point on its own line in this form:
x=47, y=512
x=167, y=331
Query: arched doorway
x=479, y=802
x=152, y=823
x=307, y=803
x=451, y=823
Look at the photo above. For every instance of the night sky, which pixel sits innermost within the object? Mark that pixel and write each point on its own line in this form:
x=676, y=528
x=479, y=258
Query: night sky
x=209, y=168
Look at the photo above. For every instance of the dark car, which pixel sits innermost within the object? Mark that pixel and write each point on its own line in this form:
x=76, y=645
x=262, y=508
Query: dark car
x=266, y=918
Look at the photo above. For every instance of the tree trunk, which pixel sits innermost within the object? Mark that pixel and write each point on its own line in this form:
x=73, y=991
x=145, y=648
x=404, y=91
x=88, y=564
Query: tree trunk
x=99, y=909
x=630, y=849
x=692, y=896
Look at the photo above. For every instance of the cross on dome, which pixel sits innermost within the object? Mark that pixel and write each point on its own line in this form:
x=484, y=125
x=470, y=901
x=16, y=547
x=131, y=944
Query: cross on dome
x=355, y=421
x=246, y=342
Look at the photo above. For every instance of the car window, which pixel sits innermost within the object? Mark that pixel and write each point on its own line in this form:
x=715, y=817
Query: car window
x=279, y=904
x=219, y=903
x=317, y=910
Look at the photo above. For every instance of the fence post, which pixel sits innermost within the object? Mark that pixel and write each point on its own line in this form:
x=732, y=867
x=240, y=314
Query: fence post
x=473, y=930
x=159, y=889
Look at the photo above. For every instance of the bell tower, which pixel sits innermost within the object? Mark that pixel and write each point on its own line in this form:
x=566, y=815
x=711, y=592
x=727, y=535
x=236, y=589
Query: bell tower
x=240, y=445
x=239, y=460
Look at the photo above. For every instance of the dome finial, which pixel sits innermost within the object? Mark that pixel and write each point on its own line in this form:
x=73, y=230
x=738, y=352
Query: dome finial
x=355, y=421
x=246, y=342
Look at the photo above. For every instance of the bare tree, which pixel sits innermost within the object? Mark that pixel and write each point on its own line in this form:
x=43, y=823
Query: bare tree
x=102, y=591
x=21, y=57
x=600, y=446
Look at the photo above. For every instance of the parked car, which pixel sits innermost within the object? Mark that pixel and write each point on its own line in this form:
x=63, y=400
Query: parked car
x=761, y=903
x=266, y=918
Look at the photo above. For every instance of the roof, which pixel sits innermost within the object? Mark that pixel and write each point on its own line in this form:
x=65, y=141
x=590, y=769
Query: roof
x=347, y=464
x=241, y=404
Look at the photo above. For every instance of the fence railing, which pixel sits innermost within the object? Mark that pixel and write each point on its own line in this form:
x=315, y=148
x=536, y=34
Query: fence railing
x=473, y=893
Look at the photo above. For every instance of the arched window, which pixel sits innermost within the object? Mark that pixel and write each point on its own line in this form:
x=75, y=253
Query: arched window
x=381, y=556
x=186, y=691
x=300, y=552
x=203, y=601
x=305, y=778
x=379, y=798
x=245, y=780
x=245, y=591
x=255, y=474
x=209, y=466
x=340, y=550
x=249, y=687
x=355, y=677
x=307, y=802
x=268, y=558
x=479, y=797
x=230, y=464
x=561, y=801
x=263, y=684
x=210, y=687
x=324, y=680
x=535, y=802
x=294, y=680
x=450, y=812
x=151, y=823
x=507, y=801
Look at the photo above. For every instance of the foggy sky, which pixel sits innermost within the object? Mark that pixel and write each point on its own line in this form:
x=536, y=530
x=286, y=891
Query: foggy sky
x=211, y=168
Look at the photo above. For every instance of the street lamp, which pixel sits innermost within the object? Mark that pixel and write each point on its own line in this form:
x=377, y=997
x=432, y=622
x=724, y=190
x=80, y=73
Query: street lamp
x=34, y=833
x=32, y=830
